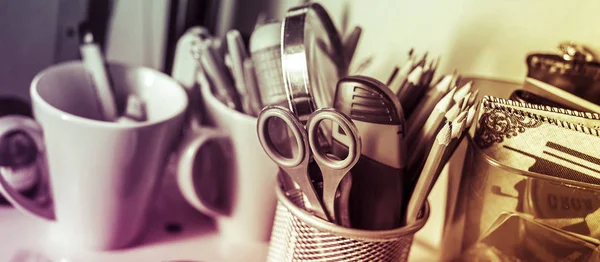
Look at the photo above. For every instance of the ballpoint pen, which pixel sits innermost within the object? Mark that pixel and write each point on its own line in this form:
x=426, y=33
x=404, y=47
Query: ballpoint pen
x=252, y=89
x=93, y=62
x=214, y=68
x=238, y=54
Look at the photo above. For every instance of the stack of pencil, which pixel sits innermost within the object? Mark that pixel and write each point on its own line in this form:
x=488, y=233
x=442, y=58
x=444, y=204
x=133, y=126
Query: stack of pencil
x=438, y=115
x=410, y=81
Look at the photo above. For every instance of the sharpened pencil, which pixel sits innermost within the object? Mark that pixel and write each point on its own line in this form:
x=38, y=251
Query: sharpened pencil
x=427, y=133
x=428, y=177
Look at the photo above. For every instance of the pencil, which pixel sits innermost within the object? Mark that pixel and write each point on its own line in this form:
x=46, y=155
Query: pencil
x=454, y=110
x=237, y=53
x=412, y=82
x=252, y=87
x=417, y=119
x=428, y=177
x=416, y=130
x=460, y=127
x=428, y=74
x=465, y=102
x=427, y=133
x=473, y=97
x=463, y=91
x=399, y=80
x=421, y=61
x=471, y=115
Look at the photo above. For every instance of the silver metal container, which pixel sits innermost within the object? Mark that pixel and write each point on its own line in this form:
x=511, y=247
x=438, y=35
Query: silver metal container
x=482, y=192
x=299, y=236
x=489, y=190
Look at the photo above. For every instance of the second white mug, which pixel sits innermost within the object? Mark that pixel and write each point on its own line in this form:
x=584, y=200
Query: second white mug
x=224, y=173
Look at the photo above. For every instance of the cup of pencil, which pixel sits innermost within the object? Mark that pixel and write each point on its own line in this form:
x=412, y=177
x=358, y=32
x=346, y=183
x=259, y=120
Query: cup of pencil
x=298, y=235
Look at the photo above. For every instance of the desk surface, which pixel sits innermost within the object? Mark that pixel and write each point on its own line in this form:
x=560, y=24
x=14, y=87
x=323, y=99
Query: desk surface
x=26, y=238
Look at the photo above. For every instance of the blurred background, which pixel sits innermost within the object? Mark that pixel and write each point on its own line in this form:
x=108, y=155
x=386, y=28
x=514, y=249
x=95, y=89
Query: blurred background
x=483, y=38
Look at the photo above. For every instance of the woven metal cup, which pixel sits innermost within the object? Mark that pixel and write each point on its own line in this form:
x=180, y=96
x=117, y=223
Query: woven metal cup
x=299, y=236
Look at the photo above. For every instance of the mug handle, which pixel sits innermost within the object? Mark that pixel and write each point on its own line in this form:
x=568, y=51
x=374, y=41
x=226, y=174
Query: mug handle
x=10, y=124
x=185, y=161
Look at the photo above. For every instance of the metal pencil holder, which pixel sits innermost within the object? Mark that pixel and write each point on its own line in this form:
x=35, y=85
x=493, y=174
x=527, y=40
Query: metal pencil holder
x=299, y=236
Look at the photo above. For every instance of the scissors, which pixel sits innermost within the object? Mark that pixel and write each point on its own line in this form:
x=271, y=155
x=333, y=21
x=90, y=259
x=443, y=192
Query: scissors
x=296, y=167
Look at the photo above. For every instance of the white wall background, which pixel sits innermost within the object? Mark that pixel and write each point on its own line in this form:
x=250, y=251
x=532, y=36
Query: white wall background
x=486, y=38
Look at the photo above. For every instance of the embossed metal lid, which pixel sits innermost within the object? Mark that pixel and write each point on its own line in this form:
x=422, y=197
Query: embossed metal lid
x=573, y=69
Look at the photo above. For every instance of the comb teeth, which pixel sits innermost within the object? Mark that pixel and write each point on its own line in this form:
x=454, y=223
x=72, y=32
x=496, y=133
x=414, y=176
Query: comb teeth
x=368, y=100
x=371, y=97
x=367, y=103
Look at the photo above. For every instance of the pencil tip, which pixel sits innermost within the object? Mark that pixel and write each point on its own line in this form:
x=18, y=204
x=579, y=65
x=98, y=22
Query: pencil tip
x=415, y=76
x=458, y=125
x=461, y=116
x=473, y=97
x=446, y=102
x=445, y=134
x=471, y=115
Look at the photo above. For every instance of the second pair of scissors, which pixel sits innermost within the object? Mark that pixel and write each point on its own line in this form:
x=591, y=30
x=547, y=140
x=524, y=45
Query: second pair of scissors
x=296, y=167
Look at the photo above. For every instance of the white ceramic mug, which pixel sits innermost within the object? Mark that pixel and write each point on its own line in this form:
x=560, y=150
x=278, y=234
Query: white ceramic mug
x=103, y=175
x=224, y=173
